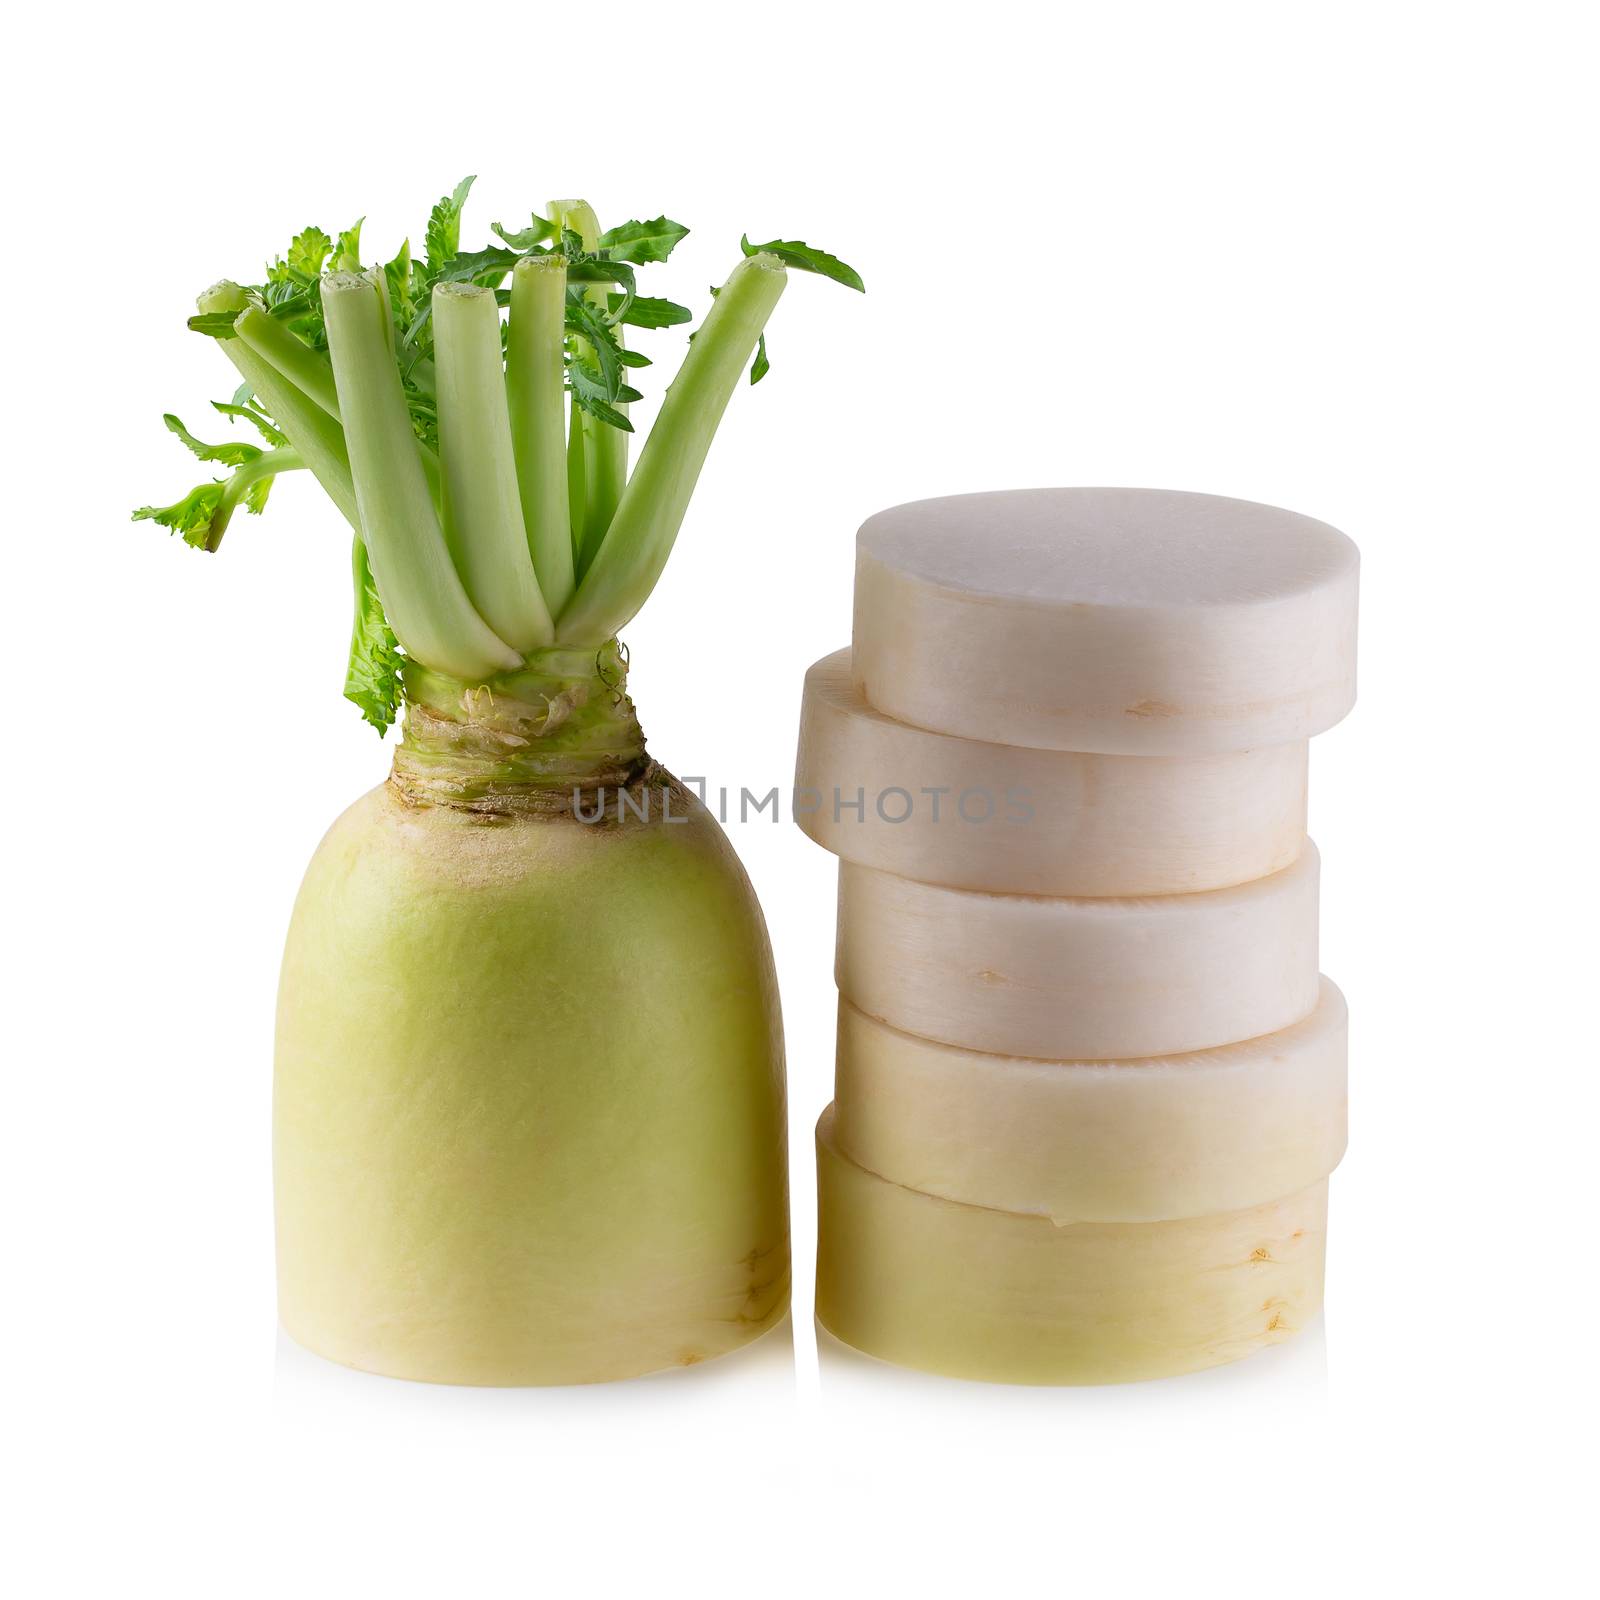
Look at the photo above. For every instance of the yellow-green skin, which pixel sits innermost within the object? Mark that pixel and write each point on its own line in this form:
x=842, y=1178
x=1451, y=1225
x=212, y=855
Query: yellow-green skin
x=529, y=1100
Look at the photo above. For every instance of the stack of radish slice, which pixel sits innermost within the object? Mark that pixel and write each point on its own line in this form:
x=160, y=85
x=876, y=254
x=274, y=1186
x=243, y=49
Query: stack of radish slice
x=1090, y=1084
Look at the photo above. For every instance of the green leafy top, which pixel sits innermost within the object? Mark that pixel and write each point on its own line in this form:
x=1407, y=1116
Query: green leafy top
x=299, y=409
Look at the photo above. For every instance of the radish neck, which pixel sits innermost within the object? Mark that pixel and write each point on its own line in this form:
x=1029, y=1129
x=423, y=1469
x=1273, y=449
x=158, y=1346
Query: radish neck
x=536, y=740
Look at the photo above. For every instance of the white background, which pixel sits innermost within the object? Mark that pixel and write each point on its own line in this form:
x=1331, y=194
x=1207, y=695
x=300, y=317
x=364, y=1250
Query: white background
x=1334, y=257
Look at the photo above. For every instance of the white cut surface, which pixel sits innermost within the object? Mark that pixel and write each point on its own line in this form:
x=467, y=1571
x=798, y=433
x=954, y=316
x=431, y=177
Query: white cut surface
x=1123, y=621
x=1008, y=819
x=1058, y=979
x=975, y=1293
x=1150, y=1140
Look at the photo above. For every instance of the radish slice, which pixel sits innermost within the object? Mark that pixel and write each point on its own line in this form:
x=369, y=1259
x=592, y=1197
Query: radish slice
x=1124, y=621
x=1005, y=819
x=974, y=1293
x=1056, y=979
x=1094, y=1141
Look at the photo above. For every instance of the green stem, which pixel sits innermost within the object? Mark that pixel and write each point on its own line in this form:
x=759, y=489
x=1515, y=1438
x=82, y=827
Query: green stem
x=577, y=484
x=267, y=465
x=657, y=495
x=482, y=505
x=603, y=452
x=308, y=428
x=422, y=594
x=534, y=394
x=307, y=369
x=605, y=467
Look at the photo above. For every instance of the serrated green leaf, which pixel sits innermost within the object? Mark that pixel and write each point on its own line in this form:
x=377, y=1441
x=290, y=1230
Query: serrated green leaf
x=248, y=413
x=589, y=399
x=591, y=269
x=213, y=324
x=541, y=231
x=372, y=673
x=347, y=253
x=397, y=276
x=233, y=454
x=797, y=253
x=414, y=330
x=443, y=236
x=190, y=516
x=642, y=241
x=760, y=367
x=600, y=343
x=307, y=251
x=645, y=312
x=487, y=267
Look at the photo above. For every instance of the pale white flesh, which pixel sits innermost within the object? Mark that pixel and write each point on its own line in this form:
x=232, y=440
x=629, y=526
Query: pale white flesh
x=1057, y=978
x=975, y=1293
x=1007, y=819
x=1096, y=1141
x=1124, y=621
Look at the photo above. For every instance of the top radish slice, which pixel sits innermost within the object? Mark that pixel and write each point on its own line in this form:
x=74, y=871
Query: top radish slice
x=1119, y=621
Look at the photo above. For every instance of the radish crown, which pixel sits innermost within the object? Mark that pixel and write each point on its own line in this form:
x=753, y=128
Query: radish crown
x=483, y=465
